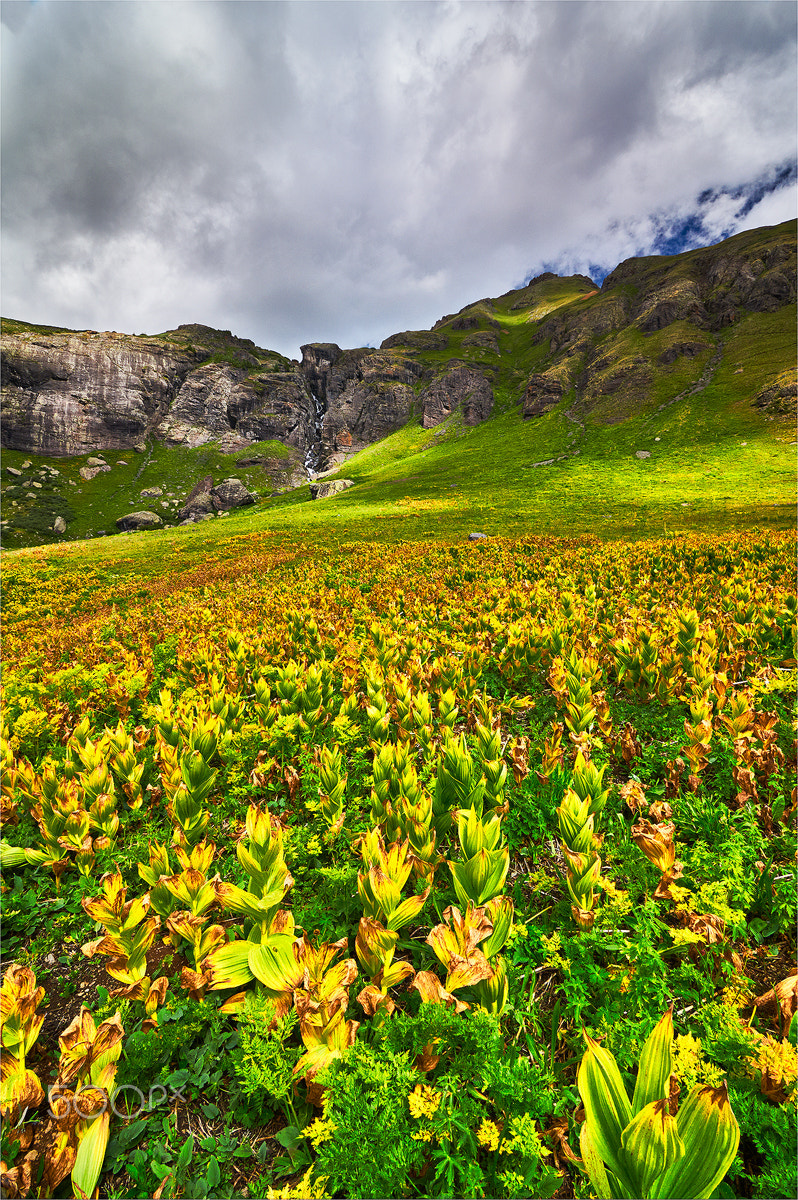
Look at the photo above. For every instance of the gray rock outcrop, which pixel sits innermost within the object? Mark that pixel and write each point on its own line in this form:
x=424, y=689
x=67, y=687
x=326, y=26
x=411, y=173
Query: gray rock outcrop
x=324, y=488
x=543, y=392
x=780, y=396
x=139, y=520
x=231, y=493
x=461, y=388
x=71, y=393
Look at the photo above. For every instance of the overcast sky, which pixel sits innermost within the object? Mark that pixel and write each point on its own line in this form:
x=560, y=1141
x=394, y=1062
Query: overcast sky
x=342, y=171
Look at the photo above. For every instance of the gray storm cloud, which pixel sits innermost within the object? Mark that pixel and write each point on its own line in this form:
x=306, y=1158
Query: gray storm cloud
x=341, y=171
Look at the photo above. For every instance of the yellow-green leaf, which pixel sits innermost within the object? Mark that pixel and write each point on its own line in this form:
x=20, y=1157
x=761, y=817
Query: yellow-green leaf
x=654, y=1071
x=711, y=1135
x=650, y=1144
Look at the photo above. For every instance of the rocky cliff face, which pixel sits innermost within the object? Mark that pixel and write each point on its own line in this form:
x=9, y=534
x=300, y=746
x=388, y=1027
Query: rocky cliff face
x=364, y=396
x=692, y=298
x=77, y=392
x=70, y=393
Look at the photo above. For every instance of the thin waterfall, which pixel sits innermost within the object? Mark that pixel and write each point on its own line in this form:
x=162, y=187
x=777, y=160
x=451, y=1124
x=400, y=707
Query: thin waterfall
x=313, y=455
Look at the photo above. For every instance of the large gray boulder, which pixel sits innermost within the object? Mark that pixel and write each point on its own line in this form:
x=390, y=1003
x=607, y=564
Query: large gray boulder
x=231, y=493
x=139, y=520
x=324, y=488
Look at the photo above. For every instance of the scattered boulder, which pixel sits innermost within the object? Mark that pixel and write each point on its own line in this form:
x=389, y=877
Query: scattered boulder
x=59, y=526
x=139, y=520
x=13, y=471
x=231, y=493
x=88, y=473
x=642, y=454
x=96, y=462
x=151, y=492
x=323, y=489
x=140, y=447
x=476, y=537
x=199, y=500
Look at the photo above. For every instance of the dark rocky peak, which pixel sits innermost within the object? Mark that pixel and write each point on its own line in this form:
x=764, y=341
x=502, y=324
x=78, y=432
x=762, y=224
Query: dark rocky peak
x=317, y=360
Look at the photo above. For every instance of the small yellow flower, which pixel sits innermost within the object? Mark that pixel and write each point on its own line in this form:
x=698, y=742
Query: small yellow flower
x=424, y=1101
x=423, y=1135
x=320, y=1131
x=488, y=1135
x=304, y=1190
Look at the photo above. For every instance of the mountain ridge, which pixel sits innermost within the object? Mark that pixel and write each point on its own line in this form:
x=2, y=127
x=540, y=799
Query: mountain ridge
x=658, y=327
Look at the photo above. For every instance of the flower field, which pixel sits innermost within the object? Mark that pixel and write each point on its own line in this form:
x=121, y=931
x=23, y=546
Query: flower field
x=420, y=869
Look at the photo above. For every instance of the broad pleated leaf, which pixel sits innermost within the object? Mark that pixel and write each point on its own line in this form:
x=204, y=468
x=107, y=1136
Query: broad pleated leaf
x=650, y=1144
x=91, y=1152
x=654, y=1072
x=711, y=1135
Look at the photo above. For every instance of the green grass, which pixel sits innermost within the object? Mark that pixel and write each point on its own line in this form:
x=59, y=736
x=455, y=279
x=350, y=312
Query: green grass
x=93, y=505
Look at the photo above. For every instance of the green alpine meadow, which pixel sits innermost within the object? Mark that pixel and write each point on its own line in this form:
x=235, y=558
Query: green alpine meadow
x=398, y=750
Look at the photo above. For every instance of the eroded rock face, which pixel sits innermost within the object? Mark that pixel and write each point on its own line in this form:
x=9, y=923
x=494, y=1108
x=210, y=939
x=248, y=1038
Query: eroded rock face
x=543, y=392
x=66, y=394
x=363, y=395
x=73, y=393
x=275, y=405
x=460, y=387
